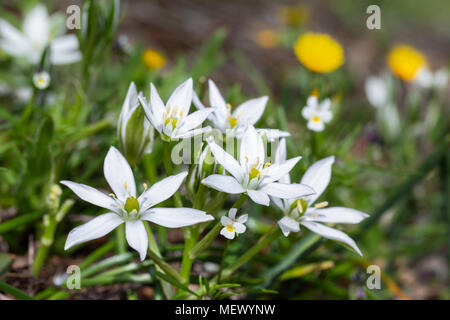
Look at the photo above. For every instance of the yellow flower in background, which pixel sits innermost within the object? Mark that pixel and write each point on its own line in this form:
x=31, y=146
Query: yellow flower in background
x=296, y=15
x=267, y=39
x=406, y=62
x=153, y=59
x=319, y=52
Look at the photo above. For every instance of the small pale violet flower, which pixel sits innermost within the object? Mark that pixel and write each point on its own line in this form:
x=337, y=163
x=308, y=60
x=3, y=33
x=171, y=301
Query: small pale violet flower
x=231, y=225
x=312, y=216
x=234, y=123
x=39, y=31
x=173, y=120
x=41, y=80
x=124, y=206
x=317, y=113
x=252, y=174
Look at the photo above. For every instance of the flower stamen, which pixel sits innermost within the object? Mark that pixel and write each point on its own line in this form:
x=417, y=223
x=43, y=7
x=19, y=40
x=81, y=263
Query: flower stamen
x=321, y=205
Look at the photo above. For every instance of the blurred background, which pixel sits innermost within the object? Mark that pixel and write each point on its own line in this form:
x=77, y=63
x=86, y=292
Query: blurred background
x=247, y=48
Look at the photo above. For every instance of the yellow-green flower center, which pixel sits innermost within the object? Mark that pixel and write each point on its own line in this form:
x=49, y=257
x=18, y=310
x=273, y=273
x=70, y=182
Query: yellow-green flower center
x=254, y=173
x=174, y=122
x=300, y=206
x=131, y=205
x=230, y=228
x=233, y=122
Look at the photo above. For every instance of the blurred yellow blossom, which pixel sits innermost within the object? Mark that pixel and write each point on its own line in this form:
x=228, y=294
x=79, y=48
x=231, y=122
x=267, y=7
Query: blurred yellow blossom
x=406, y=62
x=319, y=52
x=153, y=59
x=295, y=15
x=315, y=93
x=267, y=38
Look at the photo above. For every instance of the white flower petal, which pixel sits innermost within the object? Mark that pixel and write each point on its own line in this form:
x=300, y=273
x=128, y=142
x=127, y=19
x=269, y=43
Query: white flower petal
x=243, y=218
x=176, y=217
x=315, y=125
x=280, y=155
x=232, y=213
x=273, y=134
x=287, y=191
x=239, y=227
x=197, y=102
x=226, y=221
x=258, y=196
x=312, y=101
x=376, y=91
x=191, y=133
x=65, y=43
x=326, y=115
x=65, y=57
x=335, y=215
x=223, y=183
x=325, y=105
x=308, y=112
x=288, y=225
x=91, y=195
x=119, y=175
x=227, y=234
x=95, y=228
x=217, y=101
x=195, y=119
x=156, y=105
x=318, y=177
x=279, y=170
x=161, y=190
x=252, y=148
x=181, y=98
x=156, y=122
x=251, y=110
x=130, y=103
x=280, y=203
x=36, y=25
x=12, y=40
x=137, y=237
x=227, y=161
x=331, y=233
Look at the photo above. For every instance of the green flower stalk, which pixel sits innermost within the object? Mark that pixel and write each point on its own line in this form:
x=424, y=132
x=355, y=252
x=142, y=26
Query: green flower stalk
x=134, y=130
x=50, y=220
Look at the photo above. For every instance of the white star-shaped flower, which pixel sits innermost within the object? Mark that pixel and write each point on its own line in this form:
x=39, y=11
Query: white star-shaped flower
x=232, y=225
x=317, y=113
x=172, y=120
x=304, y=212
x=234, y=123
x=125, y=208
x=252, y=174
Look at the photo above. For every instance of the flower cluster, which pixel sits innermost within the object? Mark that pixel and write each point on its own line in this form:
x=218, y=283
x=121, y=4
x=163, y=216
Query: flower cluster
x=250, y=174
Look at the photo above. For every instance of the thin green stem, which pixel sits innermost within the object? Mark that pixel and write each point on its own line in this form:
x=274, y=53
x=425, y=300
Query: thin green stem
x=206, y=241
x=272, y=234
x=191, y=237
x=97, y=254
x=153, y=246
x=169, y=170
x=166, y=158
x=90, y=130
x=240, y=201
x=51, y=221
x=121, y=242
x=222, y=260
x=20, y=221
x=14, y=291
